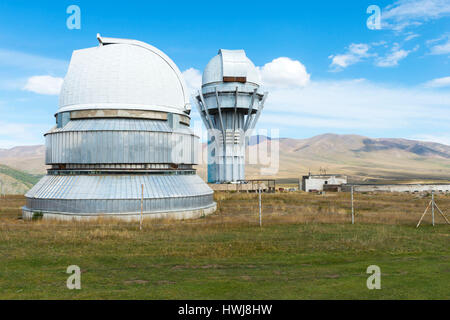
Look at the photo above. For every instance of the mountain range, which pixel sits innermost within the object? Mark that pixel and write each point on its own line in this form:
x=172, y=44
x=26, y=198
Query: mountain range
x=363, y=159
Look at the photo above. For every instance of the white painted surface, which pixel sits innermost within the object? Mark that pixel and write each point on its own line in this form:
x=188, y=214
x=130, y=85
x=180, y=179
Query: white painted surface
x=230, y=63
x=317, y=183
x=125, y=74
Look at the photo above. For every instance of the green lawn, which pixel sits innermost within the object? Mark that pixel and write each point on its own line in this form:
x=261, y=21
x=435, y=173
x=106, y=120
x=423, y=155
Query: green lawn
x=278, y=262
x=210, y=259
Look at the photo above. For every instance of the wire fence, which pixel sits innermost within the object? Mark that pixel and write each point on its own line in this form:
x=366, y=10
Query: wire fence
x=279, y=207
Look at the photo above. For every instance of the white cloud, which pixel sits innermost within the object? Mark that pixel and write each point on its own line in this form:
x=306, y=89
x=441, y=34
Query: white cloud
x=359, y=52
x=406, y=13
x=284, y=72
x=193, y=79
x=19, y=134
x=443, y=138
x=443, y=48
x=44, y=85
x=393, y=57
x=440, y=45
x=355, y=53
x=411, y=36
x=279, y=73
x=354, y=105
x=357, y=106
x=438, y=82
x=21, y=60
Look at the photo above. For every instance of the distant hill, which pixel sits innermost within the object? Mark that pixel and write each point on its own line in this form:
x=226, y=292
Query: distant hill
x=25, y=158
x=21, y=167
x=15, y=181
x=359, y=157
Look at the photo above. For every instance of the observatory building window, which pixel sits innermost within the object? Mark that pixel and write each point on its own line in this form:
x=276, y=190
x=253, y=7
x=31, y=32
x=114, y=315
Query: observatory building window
x=62, y=119
x=235, y=79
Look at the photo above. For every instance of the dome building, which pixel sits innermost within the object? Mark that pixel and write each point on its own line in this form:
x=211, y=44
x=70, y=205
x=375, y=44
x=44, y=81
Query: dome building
x=122, y=133
x=230, y=103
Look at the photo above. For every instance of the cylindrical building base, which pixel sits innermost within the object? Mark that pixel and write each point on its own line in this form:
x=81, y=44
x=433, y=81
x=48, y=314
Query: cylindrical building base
x=119, y=196
x=27, y=214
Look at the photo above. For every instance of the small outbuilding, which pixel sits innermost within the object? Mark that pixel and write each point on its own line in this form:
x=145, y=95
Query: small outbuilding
x=323, y=182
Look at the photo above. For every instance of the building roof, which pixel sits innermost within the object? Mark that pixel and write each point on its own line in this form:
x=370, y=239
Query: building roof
x=123, y=74
x=323, y=176
x=230, y=63
x=100, y=187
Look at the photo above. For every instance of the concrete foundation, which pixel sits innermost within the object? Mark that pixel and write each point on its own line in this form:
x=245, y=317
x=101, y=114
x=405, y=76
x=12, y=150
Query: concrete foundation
x=129, y=217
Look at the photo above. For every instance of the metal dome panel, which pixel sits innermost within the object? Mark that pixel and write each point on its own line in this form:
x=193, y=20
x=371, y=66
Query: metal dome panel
x=230, y=63
x=123, y=74
x=93, y=195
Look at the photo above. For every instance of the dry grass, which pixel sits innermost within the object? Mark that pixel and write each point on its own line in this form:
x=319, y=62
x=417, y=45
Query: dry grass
x=235, y=209
x=301, y=207
x=306, y=249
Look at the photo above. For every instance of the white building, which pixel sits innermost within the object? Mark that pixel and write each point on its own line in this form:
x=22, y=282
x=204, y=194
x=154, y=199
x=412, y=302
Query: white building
x=122, y=143
x=230, y=103
x=317, y=182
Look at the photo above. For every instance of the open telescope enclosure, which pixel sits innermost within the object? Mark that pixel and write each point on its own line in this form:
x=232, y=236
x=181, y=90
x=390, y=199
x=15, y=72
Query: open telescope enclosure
x=122, y=123
x=230, y=103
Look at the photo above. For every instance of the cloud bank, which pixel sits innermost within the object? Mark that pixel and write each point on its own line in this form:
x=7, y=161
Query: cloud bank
x=406, y=13
x=47, y=85
x=296, y=102
x=438, y=83
x=356, y=52
x=284, y=72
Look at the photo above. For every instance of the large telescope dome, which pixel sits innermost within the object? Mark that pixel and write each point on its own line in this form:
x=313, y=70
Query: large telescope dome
x=122, y=146
x=123, y=74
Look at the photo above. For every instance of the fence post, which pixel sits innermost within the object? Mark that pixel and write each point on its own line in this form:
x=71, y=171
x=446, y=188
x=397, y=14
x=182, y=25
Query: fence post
x=353, y=210
x=260, y=214
x=142, y=206
x=432, y=206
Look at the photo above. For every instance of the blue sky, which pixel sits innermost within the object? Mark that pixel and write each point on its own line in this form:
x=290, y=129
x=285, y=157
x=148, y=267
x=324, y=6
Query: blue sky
x=325, y=70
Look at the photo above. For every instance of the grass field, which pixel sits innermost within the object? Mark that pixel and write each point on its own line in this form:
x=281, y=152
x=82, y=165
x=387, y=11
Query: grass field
x=306, y=249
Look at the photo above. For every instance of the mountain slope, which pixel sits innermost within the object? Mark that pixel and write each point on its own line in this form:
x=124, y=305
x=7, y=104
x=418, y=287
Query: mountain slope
x=365, y=158
x=25, y=158
x=361, y=158
x=15, y=181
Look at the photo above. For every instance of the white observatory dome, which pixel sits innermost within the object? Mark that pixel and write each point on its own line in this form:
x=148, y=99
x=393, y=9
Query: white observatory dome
x=123, y=74
x=230, y=63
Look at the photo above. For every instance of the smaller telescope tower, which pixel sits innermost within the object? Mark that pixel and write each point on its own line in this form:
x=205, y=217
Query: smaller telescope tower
x=230, y=104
